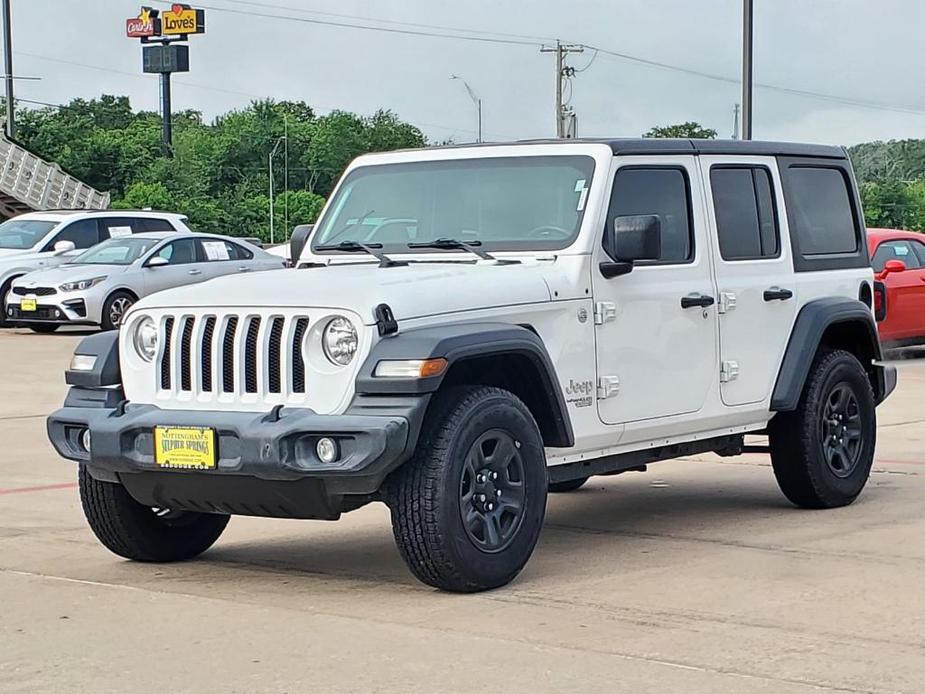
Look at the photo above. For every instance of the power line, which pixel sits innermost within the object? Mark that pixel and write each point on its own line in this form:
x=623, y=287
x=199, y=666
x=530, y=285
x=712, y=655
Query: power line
x=418, y=25
x=350, y=25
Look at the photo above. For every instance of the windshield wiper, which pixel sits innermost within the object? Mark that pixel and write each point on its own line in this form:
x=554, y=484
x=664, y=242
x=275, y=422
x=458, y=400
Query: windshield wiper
x=444, y=244
x=357, y=247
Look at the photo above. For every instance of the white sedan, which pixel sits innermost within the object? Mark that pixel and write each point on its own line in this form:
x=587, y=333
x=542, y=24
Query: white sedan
x=99, y=286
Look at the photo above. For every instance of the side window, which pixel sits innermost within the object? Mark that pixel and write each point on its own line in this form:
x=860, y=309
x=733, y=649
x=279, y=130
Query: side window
x=896, y=250
x=153, y=224
x=664, y=192
x=181, y=252
x=114, y=227
x=919, y=249
x=746, y=221
x=216, y=250
x=821, y=211
x=83, y=233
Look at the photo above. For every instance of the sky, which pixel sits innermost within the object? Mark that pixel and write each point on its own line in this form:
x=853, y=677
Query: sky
x=830, y=71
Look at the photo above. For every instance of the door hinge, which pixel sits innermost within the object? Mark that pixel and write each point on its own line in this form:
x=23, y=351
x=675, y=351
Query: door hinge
x=729, y=371
x=727, y=302
x=604, y=312
x=607, y=387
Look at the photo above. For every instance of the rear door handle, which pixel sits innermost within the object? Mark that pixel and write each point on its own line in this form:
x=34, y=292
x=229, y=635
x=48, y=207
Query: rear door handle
x=244, y=268
x=701, y=300
x=777, y=294
x=195, y=272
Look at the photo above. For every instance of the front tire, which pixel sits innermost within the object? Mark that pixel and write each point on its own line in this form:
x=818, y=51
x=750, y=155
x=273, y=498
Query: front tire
x=468, y=508
x=140, y=533
x=823, y=451
x=114, y=309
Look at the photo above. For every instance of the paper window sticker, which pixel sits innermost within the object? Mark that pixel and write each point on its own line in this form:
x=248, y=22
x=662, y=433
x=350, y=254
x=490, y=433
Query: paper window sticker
x=215, y=250
x=119, y=232
x=580, y=187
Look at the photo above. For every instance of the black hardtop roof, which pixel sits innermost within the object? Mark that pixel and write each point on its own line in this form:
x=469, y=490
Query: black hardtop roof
x=654, y=145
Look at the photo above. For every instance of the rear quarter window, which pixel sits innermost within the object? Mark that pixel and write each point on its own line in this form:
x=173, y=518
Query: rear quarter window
x=824, y=214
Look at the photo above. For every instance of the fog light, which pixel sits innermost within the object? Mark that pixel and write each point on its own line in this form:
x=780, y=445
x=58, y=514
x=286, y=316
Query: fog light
x=85, y=440
x=57, y=313
x=327, y=450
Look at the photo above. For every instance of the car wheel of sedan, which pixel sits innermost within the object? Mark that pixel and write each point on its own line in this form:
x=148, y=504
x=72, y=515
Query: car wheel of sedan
x=115, y=308
x=4, y=290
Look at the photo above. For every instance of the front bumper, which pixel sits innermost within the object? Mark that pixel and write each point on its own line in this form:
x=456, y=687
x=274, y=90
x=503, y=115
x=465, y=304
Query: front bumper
x=266, y=462
x=51, y=309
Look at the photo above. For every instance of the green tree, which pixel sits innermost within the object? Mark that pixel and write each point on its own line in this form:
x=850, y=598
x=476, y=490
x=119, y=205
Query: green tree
x=685, y=130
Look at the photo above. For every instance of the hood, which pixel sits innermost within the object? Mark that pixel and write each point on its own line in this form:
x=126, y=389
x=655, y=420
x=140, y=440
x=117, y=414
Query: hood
x=15, y=255
x=416, y=290
x=67, y=273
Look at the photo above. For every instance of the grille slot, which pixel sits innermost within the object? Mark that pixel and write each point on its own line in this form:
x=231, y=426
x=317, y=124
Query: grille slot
x=298, y=364
x=228, y=355
x=186, y=347
x=165, y=357
x=208, y=333
x=250, y=355
x=275, y=355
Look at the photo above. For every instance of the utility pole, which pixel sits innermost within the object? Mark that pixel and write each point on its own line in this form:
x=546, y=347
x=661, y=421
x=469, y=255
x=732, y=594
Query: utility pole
x=747, y=40
x=270, y=162
x=735, y=121
x=8, y=70
x=565, y=115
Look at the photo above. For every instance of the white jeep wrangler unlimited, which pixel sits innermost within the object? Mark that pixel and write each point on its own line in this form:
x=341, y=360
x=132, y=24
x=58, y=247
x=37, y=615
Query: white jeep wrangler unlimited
x=471, y=326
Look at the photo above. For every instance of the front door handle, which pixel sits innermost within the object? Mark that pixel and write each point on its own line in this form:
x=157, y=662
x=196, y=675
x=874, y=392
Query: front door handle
x=777, y=294
x=701, y=300
x=244, y=268
x=195, y=272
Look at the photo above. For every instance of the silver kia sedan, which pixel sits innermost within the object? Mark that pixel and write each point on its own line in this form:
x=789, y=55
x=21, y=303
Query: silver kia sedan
x=98, y=287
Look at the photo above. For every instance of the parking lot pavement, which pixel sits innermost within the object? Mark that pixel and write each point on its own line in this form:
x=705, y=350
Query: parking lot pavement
x=694, y=577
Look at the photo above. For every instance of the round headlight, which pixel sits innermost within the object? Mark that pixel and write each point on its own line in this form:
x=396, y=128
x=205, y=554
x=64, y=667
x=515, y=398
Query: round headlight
x=340, y=341
x=144, y=337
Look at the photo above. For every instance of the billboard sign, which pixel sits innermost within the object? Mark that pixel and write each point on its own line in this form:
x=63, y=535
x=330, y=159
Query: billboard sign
x=181, y=20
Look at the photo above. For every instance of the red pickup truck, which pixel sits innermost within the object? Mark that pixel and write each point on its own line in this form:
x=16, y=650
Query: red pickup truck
x=898, y=259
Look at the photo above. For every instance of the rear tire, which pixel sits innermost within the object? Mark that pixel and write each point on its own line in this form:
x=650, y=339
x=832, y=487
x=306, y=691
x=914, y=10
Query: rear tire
x=44, y=328
x=467, y=509
x=114, y=309
x=140, y=533
x=823, y=451
x=565, y=487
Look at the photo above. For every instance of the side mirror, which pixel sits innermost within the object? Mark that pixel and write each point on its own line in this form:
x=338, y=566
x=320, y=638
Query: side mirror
x=297, y=241
x=892, y=266
x=62, y=247
x=632, y=238
x=158, y=261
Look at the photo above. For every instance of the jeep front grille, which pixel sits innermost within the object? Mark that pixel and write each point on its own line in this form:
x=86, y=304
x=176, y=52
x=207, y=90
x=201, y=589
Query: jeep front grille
x=240, y=355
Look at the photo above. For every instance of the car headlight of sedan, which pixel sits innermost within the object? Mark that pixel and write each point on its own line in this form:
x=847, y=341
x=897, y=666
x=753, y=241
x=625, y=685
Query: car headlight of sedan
x=339, y=341
x=80, y=285
x=144, y=338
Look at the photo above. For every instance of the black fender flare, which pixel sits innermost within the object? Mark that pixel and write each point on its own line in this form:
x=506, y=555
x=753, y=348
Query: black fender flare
x=811, y=323
x=105, y=371
x=457, y=342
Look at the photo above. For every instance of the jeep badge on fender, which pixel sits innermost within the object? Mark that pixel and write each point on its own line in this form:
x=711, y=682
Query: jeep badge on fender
x=426, y=353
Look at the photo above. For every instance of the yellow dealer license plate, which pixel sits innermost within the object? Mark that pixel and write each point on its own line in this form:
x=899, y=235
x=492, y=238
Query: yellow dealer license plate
x=185, y=448
x=28, y=305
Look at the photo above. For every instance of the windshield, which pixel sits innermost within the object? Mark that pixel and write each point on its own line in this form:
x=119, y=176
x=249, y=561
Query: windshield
x=23, y=233
x=512, y=203
x=120, y=251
